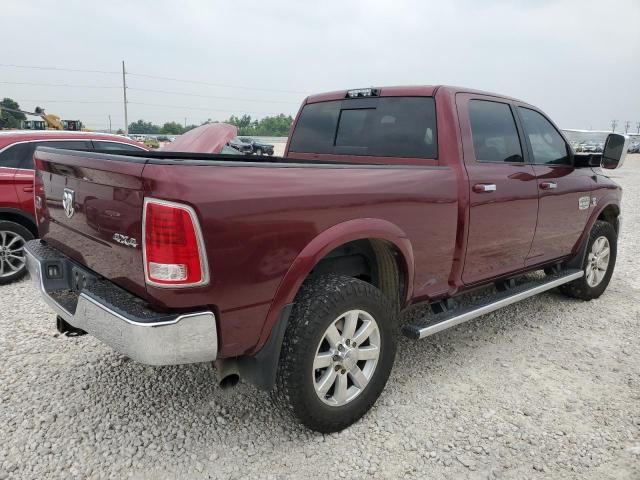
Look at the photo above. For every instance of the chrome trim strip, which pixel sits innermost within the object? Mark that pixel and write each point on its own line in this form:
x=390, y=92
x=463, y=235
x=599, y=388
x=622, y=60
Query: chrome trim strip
x=202, y=252
x=484, y=309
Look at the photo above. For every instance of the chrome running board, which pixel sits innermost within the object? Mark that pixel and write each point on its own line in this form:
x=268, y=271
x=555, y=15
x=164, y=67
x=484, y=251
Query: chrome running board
x=441, y=321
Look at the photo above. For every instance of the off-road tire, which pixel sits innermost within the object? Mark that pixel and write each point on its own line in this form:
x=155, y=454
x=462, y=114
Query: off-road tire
x=580, y=288
x=25, y=233
x=319, y=303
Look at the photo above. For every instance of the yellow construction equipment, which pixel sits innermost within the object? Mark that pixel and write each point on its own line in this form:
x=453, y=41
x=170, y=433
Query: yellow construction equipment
x=51, y=122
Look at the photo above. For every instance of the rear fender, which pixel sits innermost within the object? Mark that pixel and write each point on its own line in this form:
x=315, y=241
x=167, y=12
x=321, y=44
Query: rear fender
x=320, y=246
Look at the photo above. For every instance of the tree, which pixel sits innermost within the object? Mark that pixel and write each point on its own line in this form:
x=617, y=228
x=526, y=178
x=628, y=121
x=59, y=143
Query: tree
x=120, y=132
x=172, y=128
x=142, y=127
x=275, y=126
x=10, y=119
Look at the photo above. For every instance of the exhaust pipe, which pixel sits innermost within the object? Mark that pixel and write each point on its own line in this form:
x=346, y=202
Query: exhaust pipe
x=227, y=373
x=67, y=329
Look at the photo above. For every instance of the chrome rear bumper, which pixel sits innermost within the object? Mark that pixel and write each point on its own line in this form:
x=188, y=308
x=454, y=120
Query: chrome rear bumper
x=118, y=318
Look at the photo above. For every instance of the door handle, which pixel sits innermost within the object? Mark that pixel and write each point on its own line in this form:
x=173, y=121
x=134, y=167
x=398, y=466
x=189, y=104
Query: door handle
x=484, y=187
x=27, y=189
x=548, y=185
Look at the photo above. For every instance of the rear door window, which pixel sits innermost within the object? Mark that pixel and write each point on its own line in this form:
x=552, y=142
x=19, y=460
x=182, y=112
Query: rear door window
x=379, y=127
x=67, y=144
x=494, y=132
x=19, y=155
x=106, y=145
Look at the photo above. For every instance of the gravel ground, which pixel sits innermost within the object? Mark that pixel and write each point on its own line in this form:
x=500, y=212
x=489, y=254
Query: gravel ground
x=548, y=388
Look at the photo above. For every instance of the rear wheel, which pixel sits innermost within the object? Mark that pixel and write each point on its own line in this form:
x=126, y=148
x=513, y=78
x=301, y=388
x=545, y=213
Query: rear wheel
x=337, y=353
x=13, y=237
x=598, y=263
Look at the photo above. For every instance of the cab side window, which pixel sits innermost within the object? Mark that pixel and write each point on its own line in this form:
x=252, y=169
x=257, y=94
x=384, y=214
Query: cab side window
x=494, y=132
x=547, y=145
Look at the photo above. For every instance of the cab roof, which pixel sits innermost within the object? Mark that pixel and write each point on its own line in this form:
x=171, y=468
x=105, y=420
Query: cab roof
x=402, y=91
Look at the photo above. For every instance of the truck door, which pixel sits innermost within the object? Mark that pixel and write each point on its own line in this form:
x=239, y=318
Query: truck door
x=503, y=193
x=564, y=191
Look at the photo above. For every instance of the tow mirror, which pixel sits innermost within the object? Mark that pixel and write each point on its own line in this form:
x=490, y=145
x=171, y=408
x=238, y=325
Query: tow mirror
x=615, y=151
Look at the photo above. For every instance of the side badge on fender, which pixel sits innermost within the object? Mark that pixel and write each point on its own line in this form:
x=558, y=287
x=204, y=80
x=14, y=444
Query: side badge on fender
x=584, y=202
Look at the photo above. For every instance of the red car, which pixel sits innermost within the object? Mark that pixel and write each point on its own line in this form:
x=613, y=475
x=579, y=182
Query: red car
x=291, y=273
x=17, y=222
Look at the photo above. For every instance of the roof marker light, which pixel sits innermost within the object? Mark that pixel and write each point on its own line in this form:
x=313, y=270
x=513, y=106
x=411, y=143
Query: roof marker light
x=363, y=92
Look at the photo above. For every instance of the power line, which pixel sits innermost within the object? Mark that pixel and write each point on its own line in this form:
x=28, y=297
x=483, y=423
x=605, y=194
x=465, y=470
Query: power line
x=34, y=67
x=169, y=92
x=59, y=85
x=183, y=107
x=68, y=101
x=198, y=82
x=144, y=75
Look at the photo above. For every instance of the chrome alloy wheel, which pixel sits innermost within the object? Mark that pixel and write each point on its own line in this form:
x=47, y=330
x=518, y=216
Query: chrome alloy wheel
x=346, y=357
x=11, y=253
x=598, y=261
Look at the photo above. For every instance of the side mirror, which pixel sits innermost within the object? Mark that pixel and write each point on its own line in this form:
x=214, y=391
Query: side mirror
x=615, y=151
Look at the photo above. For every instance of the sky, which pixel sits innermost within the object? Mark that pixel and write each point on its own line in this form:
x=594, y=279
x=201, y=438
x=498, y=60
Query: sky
x=578, y=60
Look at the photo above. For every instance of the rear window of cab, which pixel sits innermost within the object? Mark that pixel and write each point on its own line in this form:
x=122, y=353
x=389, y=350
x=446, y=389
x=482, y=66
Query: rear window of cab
x=378, y=127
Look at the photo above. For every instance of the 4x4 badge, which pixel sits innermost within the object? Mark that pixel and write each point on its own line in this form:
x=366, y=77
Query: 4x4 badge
x=68, y=198
x=125, y=240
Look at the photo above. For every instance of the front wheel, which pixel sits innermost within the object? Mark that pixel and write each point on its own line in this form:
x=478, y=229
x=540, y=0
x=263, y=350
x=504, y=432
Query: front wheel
x=598, y=263
x=337, y=353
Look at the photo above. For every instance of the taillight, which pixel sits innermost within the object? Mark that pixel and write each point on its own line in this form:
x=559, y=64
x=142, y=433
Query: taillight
x=173, y=249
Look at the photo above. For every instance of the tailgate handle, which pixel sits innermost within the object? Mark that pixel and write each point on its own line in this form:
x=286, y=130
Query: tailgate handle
x=28, y=189
x=484, y=187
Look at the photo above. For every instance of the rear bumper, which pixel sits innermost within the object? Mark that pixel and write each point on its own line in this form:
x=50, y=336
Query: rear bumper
x=117, y=318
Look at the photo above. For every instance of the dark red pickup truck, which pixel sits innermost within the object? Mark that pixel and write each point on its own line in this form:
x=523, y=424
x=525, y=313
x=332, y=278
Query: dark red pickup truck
x=292, y=272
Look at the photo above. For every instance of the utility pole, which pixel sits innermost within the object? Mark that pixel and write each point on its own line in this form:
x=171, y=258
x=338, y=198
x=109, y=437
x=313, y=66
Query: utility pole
x=124, y=90
x=185, y=122
x=638, y=127
x=627, y=124
x=614, y=124
x=109, y=123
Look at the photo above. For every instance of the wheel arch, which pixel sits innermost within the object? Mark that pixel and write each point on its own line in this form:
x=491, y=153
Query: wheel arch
x=334, y=237
x=609, y=211
x=21, y=218
x=610, y=214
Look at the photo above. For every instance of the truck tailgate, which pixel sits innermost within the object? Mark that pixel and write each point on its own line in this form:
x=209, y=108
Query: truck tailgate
x=90, y=208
